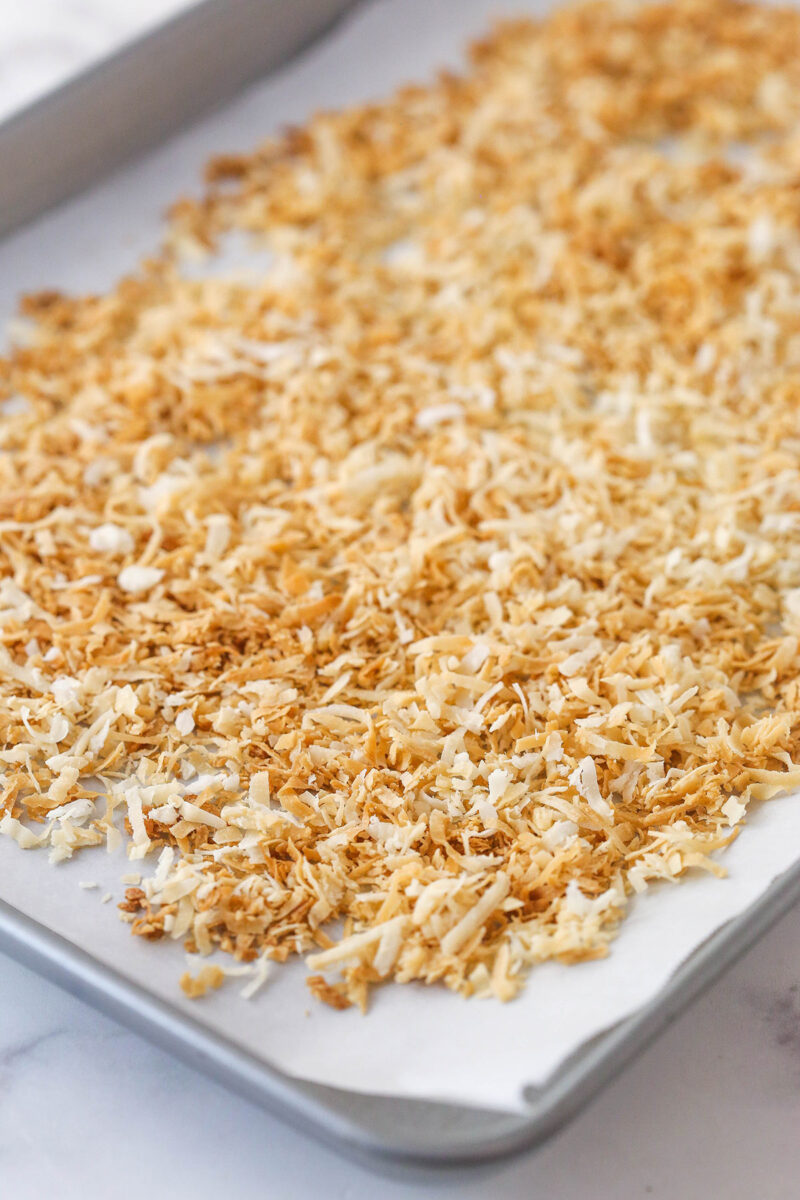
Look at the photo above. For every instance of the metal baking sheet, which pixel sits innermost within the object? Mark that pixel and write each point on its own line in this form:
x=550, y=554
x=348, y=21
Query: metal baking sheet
x=382, y=1129
x=132, y=99
x=137, y=96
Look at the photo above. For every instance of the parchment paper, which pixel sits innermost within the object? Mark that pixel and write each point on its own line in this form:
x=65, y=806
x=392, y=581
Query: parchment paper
x=415, y=1042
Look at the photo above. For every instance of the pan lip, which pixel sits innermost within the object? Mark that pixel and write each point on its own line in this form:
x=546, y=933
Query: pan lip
x=550, y=1107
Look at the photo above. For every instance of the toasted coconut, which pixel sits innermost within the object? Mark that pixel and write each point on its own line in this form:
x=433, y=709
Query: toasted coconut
x=414, y=604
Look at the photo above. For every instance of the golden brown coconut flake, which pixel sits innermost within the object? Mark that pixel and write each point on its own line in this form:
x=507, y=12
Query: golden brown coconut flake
x=413, y=605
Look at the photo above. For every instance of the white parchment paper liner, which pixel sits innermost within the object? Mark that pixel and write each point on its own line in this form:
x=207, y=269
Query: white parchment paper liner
x=416, y=1042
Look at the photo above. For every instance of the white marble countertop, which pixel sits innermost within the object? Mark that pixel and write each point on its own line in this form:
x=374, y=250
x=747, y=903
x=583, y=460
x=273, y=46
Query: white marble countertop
x=92, y=1112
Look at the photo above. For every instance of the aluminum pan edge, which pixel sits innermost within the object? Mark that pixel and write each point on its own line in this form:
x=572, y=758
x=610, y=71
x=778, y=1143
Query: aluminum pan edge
x=382, y=1130
x=138, y=95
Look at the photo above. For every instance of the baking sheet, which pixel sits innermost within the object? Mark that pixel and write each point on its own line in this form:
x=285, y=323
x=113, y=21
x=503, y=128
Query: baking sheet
x=416, y=1042
x=152, y=85
x=419, y=1042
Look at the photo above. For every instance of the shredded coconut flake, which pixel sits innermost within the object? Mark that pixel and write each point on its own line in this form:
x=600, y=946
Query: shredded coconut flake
x=184, y=722
x=136, y=579
x=111, y=539
x=584, y=780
